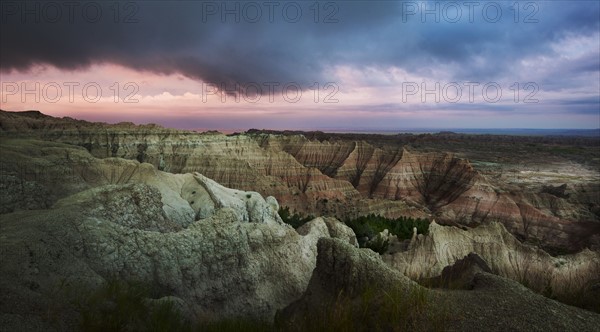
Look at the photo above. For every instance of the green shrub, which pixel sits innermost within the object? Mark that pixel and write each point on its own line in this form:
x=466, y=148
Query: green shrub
x=295, y=220
x=371, y=225
x=378, y=244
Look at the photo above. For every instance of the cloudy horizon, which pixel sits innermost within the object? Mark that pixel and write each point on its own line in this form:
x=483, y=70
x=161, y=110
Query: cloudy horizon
x=377, y=65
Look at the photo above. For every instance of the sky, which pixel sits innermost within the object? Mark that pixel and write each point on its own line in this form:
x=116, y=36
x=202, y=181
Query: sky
x=351, y=65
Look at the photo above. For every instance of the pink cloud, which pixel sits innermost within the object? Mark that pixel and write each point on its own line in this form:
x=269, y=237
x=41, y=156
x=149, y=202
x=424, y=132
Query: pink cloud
x=370, y=97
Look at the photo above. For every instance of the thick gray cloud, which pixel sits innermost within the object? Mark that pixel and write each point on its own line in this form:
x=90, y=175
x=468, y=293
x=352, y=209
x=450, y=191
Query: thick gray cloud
x=200, y=40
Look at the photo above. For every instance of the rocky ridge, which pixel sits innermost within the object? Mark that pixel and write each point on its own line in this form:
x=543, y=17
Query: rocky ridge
x=216, y=251
x=492, y=304
x=341, y=178
x=557, y=277
x=237, y=260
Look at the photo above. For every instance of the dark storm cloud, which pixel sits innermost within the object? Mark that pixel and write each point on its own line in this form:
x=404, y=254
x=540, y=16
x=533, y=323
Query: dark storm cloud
x=188, y=38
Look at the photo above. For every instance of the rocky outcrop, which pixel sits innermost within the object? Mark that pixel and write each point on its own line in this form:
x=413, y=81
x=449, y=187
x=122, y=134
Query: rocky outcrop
x=205, y=196
x=351, y=289
x=340, y=231
x=136, y=206
x=231, y=263
x=223, y=255
x=342, y=270
x=461, y=274
x=560, y=277
x=58, y=170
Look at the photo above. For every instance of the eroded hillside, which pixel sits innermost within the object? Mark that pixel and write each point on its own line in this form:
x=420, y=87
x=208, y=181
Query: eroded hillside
x=347, y=176
x=72, y=224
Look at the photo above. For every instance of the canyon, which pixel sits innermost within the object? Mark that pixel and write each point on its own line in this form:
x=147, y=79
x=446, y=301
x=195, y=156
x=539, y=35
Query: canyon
x=538, y=196
x=194, y=217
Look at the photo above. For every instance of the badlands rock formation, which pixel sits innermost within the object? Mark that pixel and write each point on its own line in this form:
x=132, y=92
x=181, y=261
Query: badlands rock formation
x=558, y=277
x=83, y=203
x=343, y=178
x=206, y=195
x=461, y=274
x=227, y=254
x=354, y=285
